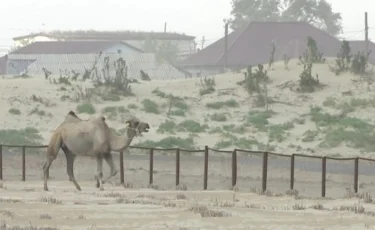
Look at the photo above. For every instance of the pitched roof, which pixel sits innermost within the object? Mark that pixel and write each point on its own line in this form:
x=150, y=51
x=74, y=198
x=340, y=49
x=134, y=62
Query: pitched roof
x=253, y=44
x=148, y=62
x=109, y=35
x=68, y=47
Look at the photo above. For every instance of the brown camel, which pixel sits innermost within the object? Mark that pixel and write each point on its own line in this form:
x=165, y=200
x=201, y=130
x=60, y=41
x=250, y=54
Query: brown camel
x=90, y=137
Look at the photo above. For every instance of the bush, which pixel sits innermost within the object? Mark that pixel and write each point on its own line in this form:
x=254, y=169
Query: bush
x=191, y=126
x=218, y=117
x=307, y=82
x=207, y=85
x=220, y=104
x=132, y=106
x=14, y=111
x=150, y=106
x=169, y=142
x=27, y=136
x=312, y=54
x=86, y=108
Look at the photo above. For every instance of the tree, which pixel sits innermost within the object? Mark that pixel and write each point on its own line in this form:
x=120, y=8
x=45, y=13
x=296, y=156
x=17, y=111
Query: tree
x=315, y=12
x=163, y=50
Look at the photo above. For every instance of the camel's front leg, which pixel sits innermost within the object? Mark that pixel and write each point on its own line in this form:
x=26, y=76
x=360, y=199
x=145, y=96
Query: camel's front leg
x=108, y=158
x=99, y=174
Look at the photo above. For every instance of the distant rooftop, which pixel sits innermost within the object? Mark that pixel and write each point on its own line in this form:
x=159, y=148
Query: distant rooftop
x=108, y=35
x=69, y=47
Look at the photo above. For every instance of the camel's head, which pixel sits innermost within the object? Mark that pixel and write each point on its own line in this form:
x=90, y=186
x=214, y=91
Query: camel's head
x=137, y=127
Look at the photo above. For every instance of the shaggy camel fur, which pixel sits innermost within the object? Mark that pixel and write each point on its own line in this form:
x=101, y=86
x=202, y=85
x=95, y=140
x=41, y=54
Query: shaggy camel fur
x=90, y=137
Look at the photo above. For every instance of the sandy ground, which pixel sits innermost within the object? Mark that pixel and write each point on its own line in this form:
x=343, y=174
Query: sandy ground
x=17, y=94
x=25, y=204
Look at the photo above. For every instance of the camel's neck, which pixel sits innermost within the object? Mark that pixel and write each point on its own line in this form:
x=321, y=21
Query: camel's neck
x=119, y=143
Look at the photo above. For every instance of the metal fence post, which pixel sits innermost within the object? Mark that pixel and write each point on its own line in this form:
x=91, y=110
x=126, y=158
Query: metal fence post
x=324, y=170
x=292, y=159
x=177, y=166
x=264, y=171
x=23, y=163
x=234, y=167
x=122, y=177
x=205, y=177
x=151, y=175
x=356, y=169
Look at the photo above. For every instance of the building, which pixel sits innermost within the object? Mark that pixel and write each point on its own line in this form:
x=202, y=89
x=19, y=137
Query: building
x=253, y=45
x=68, y=56
x=185, y=43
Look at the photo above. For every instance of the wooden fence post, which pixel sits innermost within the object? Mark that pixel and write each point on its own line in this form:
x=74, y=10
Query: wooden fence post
x=324, y=170
x=1, y=162
x=177, y=166
x=151, y=173
x=23, y=163
x=356, y=168
x=264, y=171
x=292, y=159
x=205, y=177
x=234, y=167
x=122, y=180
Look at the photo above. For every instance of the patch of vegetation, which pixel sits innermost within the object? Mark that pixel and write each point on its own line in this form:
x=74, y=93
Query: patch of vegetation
x=309, y=136
x=231, y=103
x=234, y=129
x=219, y=117
x=242, y=143
x=207, y=85
x=356, y=133
x=307, y=82
x=150, y=106
x=112, y=111
x=278, y=132
x=167, y=127
x=259, y=119
x=185, y=126
x=14, y=111
x=169, y=142
x=177, y=112
x=191, y=126
x=329, y=102
x=27, y=136
x=312, y=54
x=86, y=108
x=132, y=106
x=164, y=95
x=257, y=83
x=345, y=61
x=39, y=112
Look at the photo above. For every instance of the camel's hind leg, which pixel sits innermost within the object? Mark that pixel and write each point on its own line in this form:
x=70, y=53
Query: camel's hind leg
x=99, y=173
x=108, y=158
x=70, y=157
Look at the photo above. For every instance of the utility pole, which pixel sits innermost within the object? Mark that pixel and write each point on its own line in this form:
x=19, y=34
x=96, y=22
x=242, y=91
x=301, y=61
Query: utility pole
x=226, y=46
x=165, y=27
x=366, y=35
x=202, y=43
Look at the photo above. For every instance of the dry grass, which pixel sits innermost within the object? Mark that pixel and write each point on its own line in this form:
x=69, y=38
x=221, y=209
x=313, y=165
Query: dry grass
x=50, y=200
x=204, y=211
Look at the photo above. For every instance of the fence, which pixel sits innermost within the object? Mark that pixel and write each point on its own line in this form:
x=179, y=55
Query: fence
x=265, y=159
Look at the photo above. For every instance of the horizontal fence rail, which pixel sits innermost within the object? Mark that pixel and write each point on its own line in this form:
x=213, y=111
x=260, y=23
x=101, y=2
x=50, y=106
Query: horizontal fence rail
x=263, y=155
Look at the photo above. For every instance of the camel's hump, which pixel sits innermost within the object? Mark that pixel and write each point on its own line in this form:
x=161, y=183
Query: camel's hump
x=73, y=114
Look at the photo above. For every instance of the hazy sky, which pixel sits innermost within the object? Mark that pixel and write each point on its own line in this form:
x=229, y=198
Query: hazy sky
x=194, y=17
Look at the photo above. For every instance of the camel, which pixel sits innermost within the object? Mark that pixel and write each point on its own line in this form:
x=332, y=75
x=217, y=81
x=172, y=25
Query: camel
x=90, y=137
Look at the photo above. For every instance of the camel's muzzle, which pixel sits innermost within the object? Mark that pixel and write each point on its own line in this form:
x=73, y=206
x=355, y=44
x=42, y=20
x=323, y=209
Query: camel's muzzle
x=146, y=128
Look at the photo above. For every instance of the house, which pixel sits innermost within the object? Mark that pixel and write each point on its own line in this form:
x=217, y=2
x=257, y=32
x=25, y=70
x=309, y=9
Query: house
x=185, y=43
x=360, y=46
x=252, y=45
x=68, y=56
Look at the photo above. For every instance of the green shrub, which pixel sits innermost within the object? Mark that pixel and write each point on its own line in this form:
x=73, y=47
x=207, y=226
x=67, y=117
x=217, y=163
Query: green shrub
x=191, y=126
x=166, y=127
x=259, y=119
x=150, y=106
x=132, y=106
x=170, y=142
x=27, y=136
x=14, y=111
x=220, y=104
x=218, y=117
x=178, y=112
x=86, y=108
